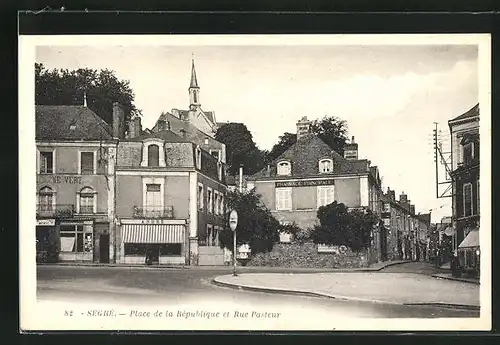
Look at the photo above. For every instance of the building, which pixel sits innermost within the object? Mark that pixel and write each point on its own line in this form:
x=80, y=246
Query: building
x=74, y=185
x=170, y=189
x=310, y=174
x=465, y=185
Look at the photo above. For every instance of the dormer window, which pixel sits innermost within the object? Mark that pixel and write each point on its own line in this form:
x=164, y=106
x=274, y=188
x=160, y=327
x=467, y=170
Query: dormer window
x=284, y=168
x=153, y=153
x=325, y=166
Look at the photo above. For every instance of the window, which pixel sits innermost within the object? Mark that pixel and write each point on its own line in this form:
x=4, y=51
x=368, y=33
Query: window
x=153, y=200
x=209, y=235
x=325, y=195
x=76, y=238
x=387, y=207
x=215, y=153
x=219, y=170
x=325, y=166
x=170, y=249
x=153, y=155
x=216, y=202
x=221, y=204
x=198, y=158
x=200, y=197
x=210, y=200
x=468, y=152
x=46, y=200
x=87, y=200
x=387, y=222
x=214, y=241
x=467, y=190
x=284, y=168
x=283, y=198
x=46, y=162
x=87, y=163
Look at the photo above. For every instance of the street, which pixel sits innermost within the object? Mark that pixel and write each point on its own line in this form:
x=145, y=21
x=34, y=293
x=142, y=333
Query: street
x=154, y=286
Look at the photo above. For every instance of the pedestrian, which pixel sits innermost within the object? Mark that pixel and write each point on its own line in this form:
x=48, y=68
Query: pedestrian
x=456, y=269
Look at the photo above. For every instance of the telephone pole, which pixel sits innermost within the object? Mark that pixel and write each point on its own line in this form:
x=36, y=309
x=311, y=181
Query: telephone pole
x=441, y=158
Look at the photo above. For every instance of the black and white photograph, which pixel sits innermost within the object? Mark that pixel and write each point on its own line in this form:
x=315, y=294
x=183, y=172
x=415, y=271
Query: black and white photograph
x=255, y=182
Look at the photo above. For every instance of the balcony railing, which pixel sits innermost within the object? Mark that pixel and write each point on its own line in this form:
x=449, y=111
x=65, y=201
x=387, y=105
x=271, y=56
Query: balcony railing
x=57, y=210
x=153, y=212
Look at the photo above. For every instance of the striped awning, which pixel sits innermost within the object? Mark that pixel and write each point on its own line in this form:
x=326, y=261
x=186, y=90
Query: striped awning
x=471, y=240
x=153, y=233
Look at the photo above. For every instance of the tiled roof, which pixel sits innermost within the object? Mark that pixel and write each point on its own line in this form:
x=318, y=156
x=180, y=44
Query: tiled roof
x=167, y=136
x=70, y=122
x=210, y=116
x=473, y=112
x=305, y=155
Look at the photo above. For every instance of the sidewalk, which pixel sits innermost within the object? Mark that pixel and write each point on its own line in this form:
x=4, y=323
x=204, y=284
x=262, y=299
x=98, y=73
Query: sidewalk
x=390, y=288
x=461, y=279
x=375, y=267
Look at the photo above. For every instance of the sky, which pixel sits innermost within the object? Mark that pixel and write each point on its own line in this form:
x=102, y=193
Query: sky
x=390, y=96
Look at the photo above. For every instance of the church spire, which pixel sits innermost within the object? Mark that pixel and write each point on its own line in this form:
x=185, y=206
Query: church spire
x=194, y=89
x=194, y=81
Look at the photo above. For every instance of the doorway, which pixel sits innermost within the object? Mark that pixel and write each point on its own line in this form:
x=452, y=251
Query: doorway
x=104, y=249
x=153, y=254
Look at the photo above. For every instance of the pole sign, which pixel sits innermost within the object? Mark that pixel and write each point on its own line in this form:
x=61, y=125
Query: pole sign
x=233, y=220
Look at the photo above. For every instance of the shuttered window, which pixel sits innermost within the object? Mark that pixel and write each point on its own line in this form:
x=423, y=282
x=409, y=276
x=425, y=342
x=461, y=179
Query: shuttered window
x=283, y=198
x=325, y=195
x=86, y=162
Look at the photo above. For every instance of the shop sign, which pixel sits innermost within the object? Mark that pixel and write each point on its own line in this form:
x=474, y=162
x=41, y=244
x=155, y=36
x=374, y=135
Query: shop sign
x=324, y=248
x=305, y=183
x=58, y=179
x=45, y=222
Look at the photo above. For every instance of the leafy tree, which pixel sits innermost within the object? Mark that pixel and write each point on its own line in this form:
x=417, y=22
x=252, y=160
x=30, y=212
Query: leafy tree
x=256, y=224
x=331, y=129
x=65, y=87
x=339, y=226
x=240, y=148
x=285, y=141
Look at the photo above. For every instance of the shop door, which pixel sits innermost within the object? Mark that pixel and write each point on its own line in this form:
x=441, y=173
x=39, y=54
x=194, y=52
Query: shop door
x=153, y=254
x=104, y=249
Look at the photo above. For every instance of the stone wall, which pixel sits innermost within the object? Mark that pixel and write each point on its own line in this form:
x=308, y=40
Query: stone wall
x=305, y=255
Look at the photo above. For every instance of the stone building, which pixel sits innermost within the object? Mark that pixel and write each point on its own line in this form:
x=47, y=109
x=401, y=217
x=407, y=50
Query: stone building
x=74, y=184
x=465, y=185
x=310, y=174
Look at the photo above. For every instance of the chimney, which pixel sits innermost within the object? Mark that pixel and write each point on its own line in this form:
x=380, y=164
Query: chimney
x=351, y=150
x=412, y=209
x=268, y=170
x=403, y=198
x=161, y=125
x=303, y=127
x=175, y=112
x=118, y=121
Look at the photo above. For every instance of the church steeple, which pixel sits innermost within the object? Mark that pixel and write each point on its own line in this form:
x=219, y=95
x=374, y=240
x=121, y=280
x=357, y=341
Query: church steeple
x=194, y=89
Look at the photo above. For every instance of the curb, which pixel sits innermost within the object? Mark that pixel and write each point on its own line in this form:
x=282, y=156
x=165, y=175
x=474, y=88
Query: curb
x=456, y=279
x=343, y=298
x=75, y=264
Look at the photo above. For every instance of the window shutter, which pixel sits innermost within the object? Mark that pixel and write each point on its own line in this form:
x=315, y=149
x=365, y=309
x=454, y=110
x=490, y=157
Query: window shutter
x=87, y=163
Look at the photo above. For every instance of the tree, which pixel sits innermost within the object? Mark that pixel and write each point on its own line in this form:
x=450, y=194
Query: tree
x=285, y=141
x=240, y=148
x=102, y=88
x=339, y=226
x=256, y=224
x=330, y=129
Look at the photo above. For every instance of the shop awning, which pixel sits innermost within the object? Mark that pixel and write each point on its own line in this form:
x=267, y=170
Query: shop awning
x=153, y=233
x=471, y=240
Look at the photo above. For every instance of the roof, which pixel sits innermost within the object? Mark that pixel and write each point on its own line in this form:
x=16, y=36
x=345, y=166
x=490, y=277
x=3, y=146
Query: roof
x=305, y=154
x=473, y=112
x=194, y=81
x=167, y=136
x=69, y=122
x=210, y=116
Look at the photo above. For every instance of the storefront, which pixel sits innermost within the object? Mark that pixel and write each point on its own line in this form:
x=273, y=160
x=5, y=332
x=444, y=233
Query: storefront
x=154, y=242
x=469, y=252
x=76, y=241
x=46, y=240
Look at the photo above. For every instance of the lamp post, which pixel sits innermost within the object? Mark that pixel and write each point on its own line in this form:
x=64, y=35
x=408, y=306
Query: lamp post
x=233, y=223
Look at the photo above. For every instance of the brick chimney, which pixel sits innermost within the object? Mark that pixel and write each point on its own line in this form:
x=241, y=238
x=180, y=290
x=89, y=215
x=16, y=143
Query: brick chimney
x=351, y=150
x=403, y=198
x=118, y=121
x=161, y=125
x=303, y=127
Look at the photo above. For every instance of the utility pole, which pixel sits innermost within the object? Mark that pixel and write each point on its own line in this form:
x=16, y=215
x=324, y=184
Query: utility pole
x=439, y=158
x=435, y=141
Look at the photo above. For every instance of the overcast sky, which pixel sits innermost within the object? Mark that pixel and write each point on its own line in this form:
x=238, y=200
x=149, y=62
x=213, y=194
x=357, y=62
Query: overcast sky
x=389, y=95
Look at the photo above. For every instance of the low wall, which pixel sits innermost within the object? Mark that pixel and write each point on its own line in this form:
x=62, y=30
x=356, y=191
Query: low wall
x=305, y=255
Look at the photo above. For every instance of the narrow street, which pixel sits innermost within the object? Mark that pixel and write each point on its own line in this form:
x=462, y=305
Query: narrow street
x=152, y=287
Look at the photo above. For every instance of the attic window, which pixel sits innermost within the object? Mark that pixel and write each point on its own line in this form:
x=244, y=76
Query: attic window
x=284, y=168
x=72, y=127
x=206, y=141
x=325, y=166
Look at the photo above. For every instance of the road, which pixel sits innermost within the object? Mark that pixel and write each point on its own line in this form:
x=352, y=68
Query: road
x=153, y=286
